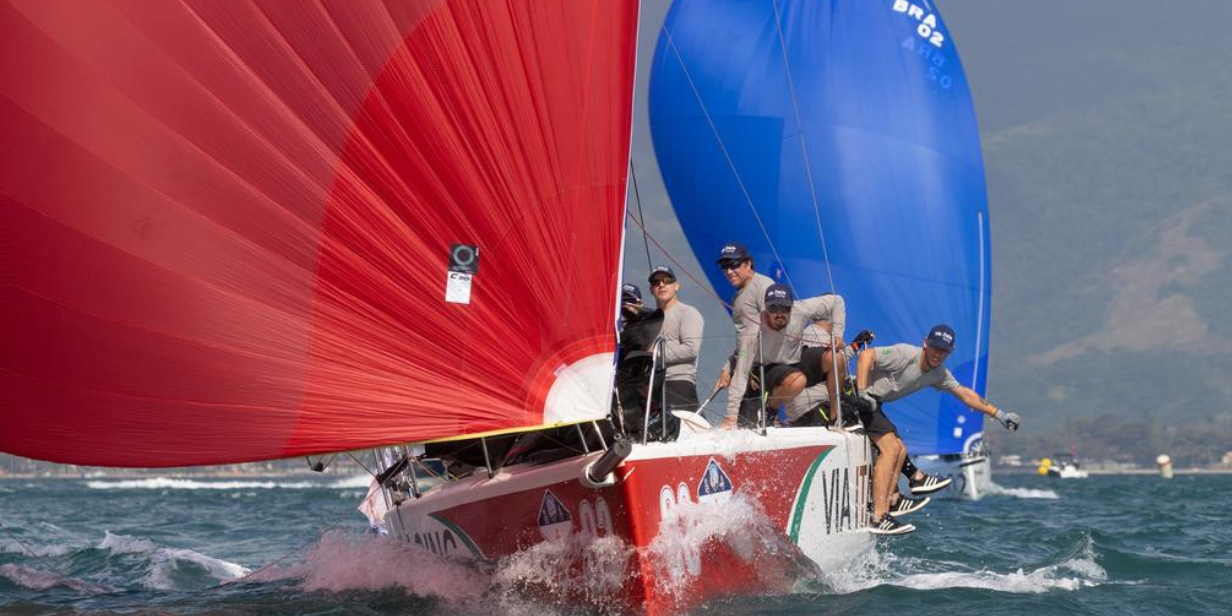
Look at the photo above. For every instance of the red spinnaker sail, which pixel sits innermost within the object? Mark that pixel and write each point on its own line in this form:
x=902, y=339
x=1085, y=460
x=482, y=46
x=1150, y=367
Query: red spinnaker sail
x=225, y=224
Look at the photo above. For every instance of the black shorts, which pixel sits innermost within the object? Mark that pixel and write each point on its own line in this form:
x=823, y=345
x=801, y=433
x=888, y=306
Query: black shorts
x=810, y=366
x=876, y=424
x=681, y=396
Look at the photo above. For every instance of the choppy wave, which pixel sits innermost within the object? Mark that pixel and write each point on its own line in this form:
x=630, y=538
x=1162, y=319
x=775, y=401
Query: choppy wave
x=116, y=559
x=173, y=483
x=9, y=546
x=37, y=579
x=172, y=568
x=1077, y=567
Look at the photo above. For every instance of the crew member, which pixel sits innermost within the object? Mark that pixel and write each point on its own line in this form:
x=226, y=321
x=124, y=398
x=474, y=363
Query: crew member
x=788, y=365
x=639, y=327
x=682, y=342
x=747, y=306
x=888, y=373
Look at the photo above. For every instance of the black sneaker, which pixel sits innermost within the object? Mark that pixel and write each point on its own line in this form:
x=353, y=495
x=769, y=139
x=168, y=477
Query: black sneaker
x=906, y=505
x=929, y=484
x=889, y=526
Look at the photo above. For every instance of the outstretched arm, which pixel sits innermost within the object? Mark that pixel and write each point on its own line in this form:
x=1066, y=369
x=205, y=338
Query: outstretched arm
x=975, y=402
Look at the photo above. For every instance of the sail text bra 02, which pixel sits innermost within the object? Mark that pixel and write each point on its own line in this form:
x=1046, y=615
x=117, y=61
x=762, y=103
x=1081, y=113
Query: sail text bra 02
x=225, y=226
x=837, y=140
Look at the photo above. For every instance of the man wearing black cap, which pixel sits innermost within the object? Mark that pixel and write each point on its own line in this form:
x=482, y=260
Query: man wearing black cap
x=790, y=366
x=747, y=305
x=639, y=326
x=682, y=340
x=888, y=373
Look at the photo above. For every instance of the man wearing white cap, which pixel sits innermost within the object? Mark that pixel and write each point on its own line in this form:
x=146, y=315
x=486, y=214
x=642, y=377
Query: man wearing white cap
x=682, y=340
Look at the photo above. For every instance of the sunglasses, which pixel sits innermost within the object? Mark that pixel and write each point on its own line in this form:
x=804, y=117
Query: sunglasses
x=730, y=265
x=662, y=282
x=778, y=309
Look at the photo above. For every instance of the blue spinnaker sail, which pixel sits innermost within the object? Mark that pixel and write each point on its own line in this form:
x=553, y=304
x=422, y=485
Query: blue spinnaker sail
x=837, y=139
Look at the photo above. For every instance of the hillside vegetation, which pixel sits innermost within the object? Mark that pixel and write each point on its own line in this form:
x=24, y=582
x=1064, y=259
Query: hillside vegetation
x=1108, y=143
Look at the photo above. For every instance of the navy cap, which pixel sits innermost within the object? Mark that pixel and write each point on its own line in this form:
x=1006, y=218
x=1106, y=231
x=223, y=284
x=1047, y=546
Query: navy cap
x=941, y=337
x=662, y=269
x=629, y=293
x=733, y=251
x=779, y=295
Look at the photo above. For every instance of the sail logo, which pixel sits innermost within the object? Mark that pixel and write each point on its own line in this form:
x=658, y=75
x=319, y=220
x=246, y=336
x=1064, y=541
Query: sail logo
x=555, y=521
x=927, y=26
x=715, y=485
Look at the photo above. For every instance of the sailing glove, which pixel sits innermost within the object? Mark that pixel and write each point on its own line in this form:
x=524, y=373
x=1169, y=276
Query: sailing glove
x=870, y=400
x=1009, y=420
x=863, y=338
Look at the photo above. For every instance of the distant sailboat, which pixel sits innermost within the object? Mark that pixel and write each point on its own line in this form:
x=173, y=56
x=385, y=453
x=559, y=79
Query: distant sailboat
x=848, y=160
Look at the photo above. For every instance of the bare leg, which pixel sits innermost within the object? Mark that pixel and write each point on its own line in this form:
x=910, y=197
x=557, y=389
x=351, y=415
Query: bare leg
x=902, y=456
x=885, y=471
x=789, y=388
x=833, y=378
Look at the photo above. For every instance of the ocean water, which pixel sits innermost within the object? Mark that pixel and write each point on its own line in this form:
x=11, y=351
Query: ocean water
x=1113, y=545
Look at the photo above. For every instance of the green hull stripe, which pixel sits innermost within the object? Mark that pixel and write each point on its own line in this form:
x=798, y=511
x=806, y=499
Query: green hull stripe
x=466, y=540
x=802, y=496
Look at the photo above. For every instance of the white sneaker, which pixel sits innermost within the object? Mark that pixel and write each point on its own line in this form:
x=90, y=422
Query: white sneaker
x=889, y=526
x=929, y=484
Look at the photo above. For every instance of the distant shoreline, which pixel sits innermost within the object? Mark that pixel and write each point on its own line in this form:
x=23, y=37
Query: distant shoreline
x=121, y=475
x=1120, y=471
x=179, y=475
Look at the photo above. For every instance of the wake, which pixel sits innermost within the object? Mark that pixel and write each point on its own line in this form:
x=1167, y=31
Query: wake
x=1076, y=570
x=992, y=489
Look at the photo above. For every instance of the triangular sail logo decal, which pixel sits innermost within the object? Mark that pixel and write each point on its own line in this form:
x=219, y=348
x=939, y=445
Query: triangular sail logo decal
x=715, y=484
x=555, y=521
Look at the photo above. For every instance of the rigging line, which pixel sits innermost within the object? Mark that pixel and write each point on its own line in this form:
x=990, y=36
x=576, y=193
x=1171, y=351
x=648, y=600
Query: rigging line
x=642, y=217
x=43, y=561
x=362, y=465
x=979, y=323
x=681, y=267
x=808, y=167
x=726, y=155
x=266, y=566
x=836, y=400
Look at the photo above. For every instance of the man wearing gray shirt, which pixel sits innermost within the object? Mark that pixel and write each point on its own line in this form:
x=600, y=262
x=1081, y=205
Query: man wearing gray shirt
x=682, y=340
x=788, y=364
x=747, y=306
x=890, y=373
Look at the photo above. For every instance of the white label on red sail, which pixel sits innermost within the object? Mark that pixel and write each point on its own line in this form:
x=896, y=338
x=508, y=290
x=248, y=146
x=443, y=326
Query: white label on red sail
x=458, y=288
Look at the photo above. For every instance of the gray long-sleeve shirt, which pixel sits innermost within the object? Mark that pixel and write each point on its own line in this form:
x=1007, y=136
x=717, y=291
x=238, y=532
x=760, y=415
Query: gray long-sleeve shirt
x=746, y=316
x=682, y=341
x=784, y=346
